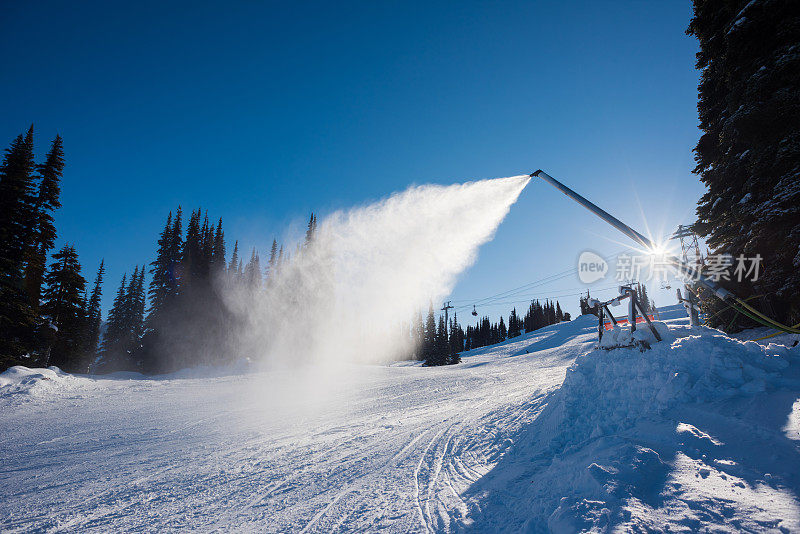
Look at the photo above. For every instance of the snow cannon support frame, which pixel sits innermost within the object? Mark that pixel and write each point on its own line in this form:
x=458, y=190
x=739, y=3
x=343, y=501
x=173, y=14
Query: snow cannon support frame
x=625, y=292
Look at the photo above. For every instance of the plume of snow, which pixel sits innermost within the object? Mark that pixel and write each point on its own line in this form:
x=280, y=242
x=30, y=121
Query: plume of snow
x=345, y=295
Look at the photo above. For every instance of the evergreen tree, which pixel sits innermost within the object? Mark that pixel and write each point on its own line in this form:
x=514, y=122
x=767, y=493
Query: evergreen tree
x=18, y=318
x=162, y=269
x=192, y=253
x=218, y=251
x=43, y=234
x=419, y=337
x=135, y=313
x=94, y=313
x=503, y=332
x=273, y=260
x=113, y=341
x=748, y=156
x=559, y=313
x=454, y=344
x=234, y=266
x=252, y=272
x=429, y=346
x=442, y=351
x=64, y=306
x=312, y=228
x=514, y=327
x=584, y=303
x=641, y=295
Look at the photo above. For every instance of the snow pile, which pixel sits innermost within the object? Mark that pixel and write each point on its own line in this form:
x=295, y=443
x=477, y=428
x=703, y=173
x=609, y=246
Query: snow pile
x=20, y=379
x=608, y=390
x=670, y=438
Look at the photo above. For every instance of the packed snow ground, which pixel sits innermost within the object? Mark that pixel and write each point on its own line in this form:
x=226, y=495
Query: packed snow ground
x=539, y=433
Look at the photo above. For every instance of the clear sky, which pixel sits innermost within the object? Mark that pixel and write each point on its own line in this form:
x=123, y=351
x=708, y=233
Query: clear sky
x=261, y=112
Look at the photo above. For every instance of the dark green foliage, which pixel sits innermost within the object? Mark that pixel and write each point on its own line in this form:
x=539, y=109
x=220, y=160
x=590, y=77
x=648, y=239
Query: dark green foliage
x=64, y=307
x=252, y=272
x=28, y=196
x=641, y=295
x=514, y=324
x=429, y=347
x=418, y=337
x=125, y=328
x=749, y=153
x=312, y=228
x=94, y=313
x=538, y=316
x=43, y=232
x=584, y=304
x=18, y=317
x=187, y=322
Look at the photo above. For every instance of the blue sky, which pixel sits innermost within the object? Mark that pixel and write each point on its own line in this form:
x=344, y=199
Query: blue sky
x=262, y=112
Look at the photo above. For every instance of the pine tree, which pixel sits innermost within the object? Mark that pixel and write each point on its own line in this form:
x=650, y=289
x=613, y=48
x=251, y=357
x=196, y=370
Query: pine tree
x=514, y=326
x=113, y=341
x=135, y=313
x=312, y=228
x=419, y=337
x=162, y=269
x=43, y=234
x=218, y=252
x=502, y=330
x=192, y=253
x=442, y=351
x=559, y=313
x=64, y=306
x=252, y=272
x=94, y=313
x=429, y=347
x=454, y=344
x=18, y=318
x=233, y=266
x=584, y=303
x=273, y=259
x=748, y=156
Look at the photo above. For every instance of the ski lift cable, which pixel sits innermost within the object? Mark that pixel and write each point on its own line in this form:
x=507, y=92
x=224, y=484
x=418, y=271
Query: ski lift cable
x=534, y=297
x=537, y=295
x=530, y=285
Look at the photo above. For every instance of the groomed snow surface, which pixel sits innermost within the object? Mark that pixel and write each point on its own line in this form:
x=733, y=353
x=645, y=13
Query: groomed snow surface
x=544, y=432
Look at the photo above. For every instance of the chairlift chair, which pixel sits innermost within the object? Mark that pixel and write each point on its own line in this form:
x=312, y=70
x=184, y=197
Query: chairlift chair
x=474, y=311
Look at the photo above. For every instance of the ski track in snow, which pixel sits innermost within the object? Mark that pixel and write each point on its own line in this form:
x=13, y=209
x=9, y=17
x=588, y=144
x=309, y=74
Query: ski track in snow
x=399, y=448
x=392, y=447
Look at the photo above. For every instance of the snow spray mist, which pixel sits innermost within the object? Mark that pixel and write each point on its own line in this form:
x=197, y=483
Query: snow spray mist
x=343, y=296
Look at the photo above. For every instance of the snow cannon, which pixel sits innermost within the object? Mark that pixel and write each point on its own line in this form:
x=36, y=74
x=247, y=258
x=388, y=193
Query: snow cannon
x=683, y=268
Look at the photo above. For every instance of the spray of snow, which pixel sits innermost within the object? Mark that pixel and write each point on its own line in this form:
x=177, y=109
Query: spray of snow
x=344, y=296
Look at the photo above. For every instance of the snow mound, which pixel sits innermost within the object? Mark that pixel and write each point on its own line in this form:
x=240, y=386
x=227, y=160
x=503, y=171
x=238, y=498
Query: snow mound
x=605, y=391
x=21, y=379
x=670, y=438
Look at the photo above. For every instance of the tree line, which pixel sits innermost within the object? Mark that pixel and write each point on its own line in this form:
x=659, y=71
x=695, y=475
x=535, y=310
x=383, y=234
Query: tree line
x=48, y=315
x=440, y=342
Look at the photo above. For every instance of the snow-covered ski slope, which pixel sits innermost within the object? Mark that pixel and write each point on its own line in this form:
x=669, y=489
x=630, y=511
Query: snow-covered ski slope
x=698, y=431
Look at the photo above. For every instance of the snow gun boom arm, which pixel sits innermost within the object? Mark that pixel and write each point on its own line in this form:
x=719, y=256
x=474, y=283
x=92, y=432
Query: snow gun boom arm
x=682, y=267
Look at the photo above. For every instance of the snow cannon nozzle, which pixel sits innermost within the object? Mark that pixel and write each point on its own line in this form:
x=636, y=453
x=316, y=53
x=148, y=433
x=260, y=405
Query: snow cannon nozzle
x=535, y=173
